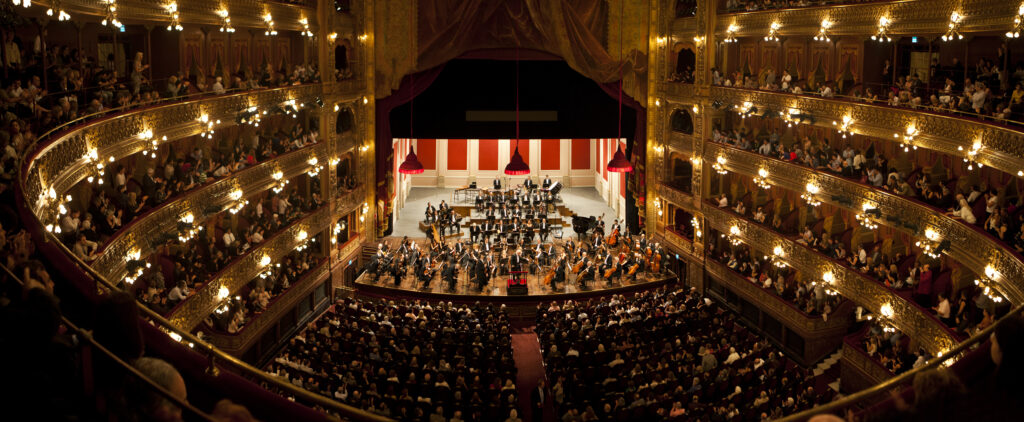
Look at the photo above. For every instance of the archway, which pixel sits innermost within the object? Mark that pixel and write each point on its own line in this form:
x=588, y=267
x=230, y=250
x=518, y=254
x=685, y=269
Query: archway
x=681, y=176
x=346, y=121
x=681, y=122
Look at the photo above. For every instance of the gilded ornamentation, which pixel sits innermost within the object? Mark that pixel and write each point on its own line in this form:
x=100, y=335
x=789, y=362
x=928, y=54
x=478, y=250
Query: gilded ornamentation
x=932, y=334
x=973, y=249
x=197, y=307
x=1004, y=147
x=907, y=17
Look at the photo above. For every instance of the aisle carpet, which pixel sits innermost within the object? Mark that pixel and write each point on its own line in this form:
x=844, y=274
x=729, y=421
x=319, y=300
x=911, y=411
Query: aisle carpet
x=530, y=368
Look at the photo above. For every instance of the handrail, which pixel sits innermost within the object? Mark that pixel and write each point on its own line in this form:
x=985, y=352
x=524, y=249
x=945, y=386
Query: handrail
x=214, y=352
x=906, y=376
x=87, y=336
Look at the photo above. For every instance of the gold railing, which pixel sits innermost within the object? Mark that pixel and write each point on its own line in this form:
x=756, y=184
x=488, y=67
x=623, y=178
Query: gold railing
x=776, y=306
x=677, y=242
x=248, y=335
x=837, y=406
x=974, y=249
x=908, y=17
x=157, y=224
x=678, y=92
x=1003, y=147
x=62, y=162
x=681, y=142
x=934, y=336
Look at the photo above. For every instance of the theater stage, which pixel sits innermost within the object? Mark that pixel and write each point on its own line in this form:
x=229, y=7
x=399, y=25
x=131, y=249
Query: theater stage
x=584, y=201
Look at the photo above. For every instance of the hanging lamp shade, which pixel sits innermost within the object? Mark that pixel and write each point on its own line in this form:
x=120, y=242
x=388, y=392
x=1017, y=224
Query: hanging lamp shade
x=411, y=165
x=516, y=166
x=619, y=163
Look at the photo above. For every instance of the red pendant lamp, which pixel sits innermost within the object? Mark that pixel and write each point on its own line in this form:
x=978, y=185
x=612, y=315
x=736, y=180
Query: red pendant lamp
x=411, y=165
x=619, y=163
x=517, y=166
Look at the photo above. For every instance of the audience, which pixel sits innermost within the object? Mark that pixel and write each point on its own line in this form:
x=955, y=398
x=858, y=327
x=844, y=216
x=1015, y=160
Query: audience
x=642, y=357
x=408, y=360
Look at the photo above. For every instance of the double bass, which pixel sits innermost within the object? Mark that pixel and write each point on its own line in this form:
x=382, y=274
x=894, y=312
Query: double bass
x=550, y=276
x=613, y=238
x=656, y=266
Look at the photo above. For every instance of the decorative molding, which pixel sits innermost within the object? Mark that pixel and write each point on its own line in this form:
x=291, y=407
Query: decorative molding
x=244, y=13
x=1004, y=147
x=163, y=221
x=908, y=317
x=241, y=341
x=61, y=164
x=243, y=270
x=908, y=17
x=969, y=246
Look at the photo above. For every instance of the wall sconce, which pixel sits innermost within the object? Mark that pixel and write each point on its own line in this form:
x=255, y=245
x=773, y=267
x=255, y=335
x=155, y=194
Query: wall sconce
x=658, y=204
x=332, y=36
x=811, y=195
x=882, y=34
x=954, y=26
x=865, y=217
x=225, y=21
x=730, y=33
x=773, y=31
x=719, y=165
x=931, y=244
x=55, y=7
x=363, y=37
x=223, y=293
x=265, y=260
x=366, y=100
x=657, y=102
x=908, y=138
x=746, y=109
x=696, y=109
x=844, y=127
x=762, y=178
x=734, y=235
x=662, y=40
x=305, y=27
x=1018, y=23
x=972, y=155
x=269, y=21
x=823, y=31
x=697, y=233
x=111, y=13
x=698, y=40
x=695, y=160
x=315, y=167
x=988, y=282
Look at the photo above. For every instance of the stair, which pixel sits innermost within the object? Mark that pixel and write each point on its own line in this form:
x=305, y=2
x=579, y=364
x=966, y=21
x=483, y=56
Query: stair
x=826, y=364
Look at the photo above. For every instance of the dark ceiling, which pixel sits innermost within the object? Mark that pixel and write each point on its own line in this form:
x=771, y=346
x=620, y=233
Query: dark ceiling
x=584, y=109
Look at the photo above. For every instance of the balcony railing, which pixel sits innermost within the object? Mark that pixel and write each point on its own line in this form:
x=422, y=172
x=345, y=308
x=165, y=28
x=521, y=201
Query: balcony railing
x=970, y=245
x=246, y=337
x=1003, y=146
x=146, y=233
x=54, y=168
x=862, y=18
x=244, y=269
x=907, y=316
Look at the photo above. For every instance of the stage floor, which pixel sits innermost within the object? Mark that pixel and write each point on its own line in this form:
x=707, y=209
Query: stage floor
x=584, y=201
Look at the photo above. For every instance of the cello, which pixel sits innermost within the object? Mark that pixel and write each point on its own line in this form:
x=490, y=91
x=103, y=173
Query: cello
x=656, y=265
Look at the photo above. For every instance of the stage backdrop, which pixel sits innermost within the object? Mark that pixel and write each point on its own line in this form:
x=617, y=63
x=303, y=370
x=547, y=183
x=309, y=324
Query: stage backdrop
x=454, y=163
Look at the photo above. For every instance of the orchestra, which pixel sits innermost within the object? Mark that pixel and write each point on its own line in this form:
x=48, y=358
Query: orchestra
x=476, y=264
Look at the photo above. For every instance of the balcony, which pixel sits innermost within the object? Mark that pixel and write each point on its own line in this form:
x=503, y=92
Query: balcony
x=1003, y=146
x=678, y=91
x=907, y=316
x=62, y=162
x=820, y=336
x=970, y=245
x=862, y=18
x=190, y=312
x=681, y=142
x=237, y=344
x=147, y=232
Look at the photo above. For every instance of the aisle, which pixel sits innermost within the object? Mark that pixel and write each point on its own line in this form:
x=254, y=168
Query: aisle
x=530, y=368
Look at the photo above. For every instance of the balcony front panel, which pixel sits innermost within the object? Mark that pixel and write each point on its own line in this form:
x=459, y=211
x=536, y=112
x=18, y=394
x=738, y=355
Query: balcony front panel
x=969, y=246
x=146, y=233
x=907, y=17
x=678, y=198
x=1003, y=147
x=678, y=92
x=680, y=142
x=244, y=13
x=62, y=163
x=197, y=307
x=934, y=336
x=678, y=243
x=241, y=341
x=808, y=326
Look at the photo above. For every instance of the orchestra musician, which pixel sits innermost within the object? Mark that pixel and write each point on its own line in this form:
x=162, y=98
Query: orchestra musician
x=547, y=182
x=497, y=183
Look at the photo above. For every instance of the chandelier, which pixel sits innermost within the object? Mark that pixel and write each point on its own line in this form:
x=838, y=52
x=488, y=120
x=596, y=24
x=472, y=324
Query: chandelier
x=172, y=10
x=762, y=179
x=811, y=195
x=882, y=34
x=111, y=13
